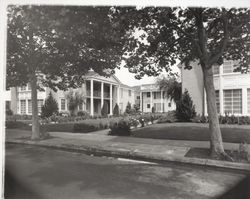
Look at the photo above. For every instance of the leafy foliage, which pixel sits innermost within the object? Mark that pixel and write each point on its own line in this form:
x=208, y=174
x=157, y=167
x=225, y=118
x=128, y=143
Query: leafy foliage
x=74, y=99
x=128, y=109
x=171, y=86
x=185, y=110
x=166, y=34
x=50, y=107
x=121, y=128
x=116, y=110
x=137, y=107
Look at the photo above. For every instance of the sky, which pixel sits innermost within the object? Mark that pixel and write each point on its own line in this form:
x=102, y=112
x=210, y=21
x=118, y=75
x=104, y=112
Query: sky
x=128, y=78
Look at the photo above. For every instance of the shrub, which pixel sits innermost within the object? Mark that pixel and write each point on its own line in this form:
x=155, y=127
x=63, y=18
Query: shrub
x=18, y=117
x=200, y=119
x=85, y=128
x=137, y=108
x=185, y=110
x=168, y=117
x=16, y=125
x=104, y=110
x=83, y=114
x=74, y=99
x=128, y=108
x=116, y=110
x=50, y=107
x=121, y=127
x=8, y=112
x=134, y=122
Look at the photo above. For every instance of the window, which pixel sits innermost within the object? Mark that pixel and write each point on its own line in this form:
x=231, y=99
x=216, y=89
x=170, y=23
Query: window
x=155, y=96
x=228, y=67
x=23, y=106
x=138, y=97
x=148, y=94
x=129, y=93
x=39, y=105
x=233, y=101
x=248, y=100
x=63, y=104
x=29, y=107
x=217, y=99
x=169, y=104
x=23, y=88
x=216, y=69
x=148, y=105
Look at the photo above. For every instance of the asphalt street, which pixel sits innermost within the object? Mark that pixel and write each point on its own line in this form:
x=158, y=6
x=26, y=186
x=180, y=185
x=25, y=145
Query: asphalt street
x=40, y=173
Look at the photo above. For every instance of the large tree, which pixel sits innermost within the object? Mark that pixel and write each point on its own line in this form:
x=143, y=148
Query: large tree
x=158, y=36
x=59, y=44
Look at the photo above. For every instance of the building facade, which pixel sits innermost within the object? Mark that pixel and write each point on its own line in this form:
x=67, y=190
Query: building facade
x=232, y=89
x=96, y=91
x=149, y=96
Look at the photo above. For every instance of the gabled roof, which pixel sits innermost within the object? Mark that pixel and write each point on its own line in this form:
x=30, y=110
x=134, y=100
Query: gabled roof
x=112, y=78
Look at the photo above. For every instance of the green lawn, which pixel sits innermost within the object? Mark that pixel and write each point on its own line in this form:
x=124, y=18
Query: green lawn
x=193, y=131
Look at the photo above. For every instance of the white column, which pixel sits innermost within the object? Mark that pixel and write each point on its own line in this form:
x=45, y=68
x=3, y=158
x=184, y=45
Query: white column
x=118, y=95
x=111, y=98
x=91, y=97
x=162, y=101
x=221, y=90
x=244, y=101
x=27, y=104
x=141, y=102
x=102, y=86
x=151, y=100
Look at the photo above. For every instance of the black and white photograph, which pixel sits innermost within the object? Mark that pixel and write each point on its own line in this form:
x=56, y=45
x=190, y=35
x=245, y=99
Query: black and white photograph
x=125, y=100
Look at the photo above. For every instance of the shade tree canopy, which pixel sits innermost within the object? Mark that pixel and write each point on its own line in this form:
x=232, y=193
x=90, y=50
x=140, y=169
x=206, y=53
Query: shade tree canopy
x=62, y=43
x=159, y=36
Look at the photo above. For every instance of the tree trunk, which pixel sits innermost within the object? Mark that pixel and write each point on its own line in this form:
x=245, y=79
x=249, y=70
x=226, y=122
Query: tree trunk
x=216, y=144
x=35, y=122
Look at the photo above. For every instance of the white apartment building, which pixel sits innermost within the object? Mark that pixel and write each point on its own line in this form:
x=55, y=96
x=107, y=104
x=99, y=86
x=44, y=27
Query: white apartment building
x=149, y=95
x=96, y=90
x=232, y=88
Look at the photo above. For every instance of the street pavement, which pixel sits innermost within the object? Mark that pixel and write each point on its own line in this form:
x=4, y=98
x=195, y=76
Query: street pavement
x=40, y=173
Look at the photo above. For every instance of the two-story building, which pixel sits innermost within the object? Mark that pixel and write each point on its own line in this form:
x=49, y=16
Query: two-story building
x=232, y=89
x=96, y=91
x=150, y=95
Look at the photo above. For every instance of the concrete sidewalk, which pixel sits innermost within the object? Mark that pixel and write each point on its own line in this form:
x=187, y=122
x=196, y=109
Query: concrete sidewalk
x=99, y=143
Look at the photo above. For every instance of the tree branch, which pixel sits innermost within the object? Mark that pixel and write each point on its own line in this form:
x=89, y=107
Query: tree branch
x=214, y=58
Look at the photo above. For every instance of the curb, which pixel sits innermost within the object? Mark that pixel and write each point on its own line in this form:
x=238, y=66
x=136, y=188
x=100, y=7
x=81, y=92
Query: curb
x=131, y=154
